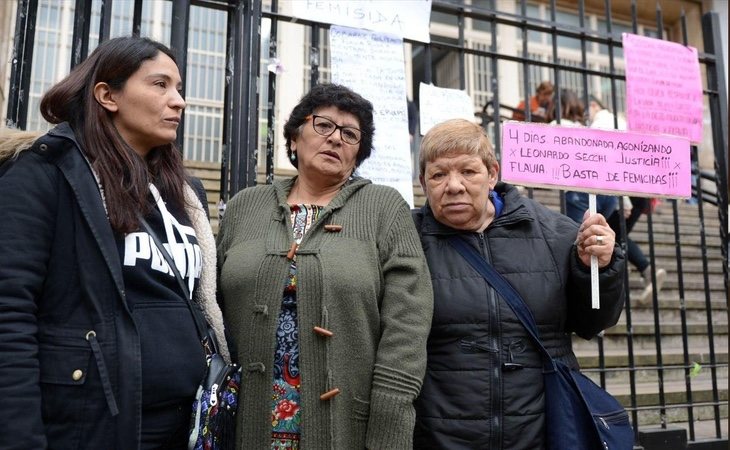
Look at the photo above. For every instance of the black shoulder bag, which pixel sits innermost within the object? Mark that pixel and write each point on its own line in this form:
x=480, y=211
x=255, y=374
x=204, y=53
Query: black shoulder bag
x=579, y=414
x=212, y=423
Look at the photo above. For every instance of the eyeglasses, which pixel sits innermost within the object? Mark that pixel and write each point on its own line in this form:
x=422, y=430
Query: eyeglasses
x=326, y=127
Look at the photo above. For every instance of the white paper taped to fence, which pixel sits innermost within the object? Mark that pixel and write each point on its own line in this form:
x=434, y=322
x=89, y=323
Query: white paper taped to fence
x=373, y=65
x=440, y=104
x=405, y=18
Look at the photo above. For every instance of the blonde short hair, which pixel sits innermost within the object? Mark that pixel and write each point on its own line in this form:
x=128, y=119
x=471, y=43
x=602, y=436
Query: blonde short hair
x=456, y=137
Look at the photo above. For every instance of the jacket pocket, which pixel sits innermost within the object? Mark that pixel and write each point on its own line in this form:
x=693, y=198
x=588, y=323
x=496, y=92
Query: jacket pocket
x=64, y=396
x=64, y=365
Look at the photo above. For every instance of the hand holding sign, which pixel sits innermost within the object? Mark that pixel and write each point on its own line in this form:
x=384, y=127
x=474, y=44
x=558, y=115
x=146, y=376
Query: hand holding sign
x=594, y=245
x=595, y=238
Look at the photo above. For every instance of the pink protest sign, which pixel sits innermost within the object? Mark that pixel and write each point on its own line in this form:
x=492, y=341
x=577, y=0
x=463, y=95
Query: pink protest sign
x=592, y=160
x=663, y=87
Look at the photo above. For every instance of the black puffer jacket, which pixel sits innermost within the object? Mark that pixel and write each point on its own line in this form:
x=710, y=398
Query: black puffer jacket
x=483, y=387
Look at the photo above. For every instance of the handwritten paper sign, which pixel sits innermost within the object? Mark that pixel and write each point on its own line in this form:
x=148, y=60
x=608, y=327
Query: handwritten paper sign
x=598, y=161
x=373, y=65
x=403, y=18
x=441, y=104
x=663, y=87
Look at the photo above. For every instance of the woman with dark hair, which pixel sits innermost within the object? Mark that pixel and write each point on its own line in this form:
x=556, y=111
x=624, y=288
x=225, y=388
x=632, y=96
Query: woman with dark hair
x=326, y=292
x=97, y=342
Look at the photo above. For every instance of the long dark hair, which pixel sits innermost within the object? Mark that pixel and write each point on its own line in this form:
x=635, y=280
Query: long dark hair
x=123, y=174
x=344, y=99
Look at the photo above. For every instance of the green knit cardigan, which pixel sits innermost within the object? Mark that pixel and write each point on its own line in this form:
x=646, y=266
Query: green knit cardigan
x=368, y=283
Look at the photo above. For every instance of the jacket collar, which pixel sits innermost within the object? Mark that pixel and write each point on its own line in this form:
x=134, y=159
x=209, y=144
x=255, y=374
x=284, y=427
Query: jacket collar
x=354, y=184
x=515, y=210
x=76, y=170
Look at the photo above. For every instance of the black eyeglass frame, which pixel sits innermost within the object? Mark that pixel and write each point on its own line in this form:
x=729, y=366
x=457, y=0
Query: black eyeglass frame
x=336, y=127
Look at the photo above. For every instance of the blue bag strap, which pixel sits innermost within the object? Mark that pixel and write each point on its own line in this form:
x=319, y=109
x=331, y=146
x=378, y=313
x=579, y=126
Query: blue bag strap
x=505, y=290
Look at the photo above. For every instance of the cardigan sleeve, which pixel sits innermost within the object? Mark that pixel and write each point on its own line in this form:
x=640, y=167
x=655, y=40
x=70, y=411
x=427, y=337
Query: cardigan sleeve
x=405, y=317
x=28, y=205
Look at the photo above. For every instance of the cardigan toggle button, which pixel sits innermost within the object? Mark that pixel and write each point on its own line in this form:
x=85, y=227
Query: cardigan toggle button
x=323, y=332
x=329, y=394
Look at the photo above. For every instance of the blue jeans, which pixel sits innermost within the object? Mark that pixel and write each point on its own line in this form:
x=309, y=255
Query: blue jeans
x=576, y=204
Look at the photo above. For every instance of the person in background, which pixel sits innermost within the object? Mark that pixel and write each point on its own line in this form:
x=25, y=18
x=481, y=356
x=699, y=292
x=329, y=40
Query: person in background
x=484, y=383
x=326, y=292
x=540, y=104
x=572, y=114
x=98, y=348
x=633, y=208
x=412, y=119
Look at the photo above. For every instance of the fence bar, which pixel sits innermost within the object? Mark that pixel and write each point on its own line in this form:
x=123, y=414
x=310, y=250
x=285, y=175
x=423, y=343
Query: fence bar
x=105, y=21
x=314, y=56
x=137, y=18
x=82, y=27
x=652, y=260
x=718, y=113
x=682, y=302
x=244, y=106
x=708, y=300
x=228, y=101
x=179, y=45
x=525, y=68
x=462, y=54
x=494, y=86
x=683, y=319
x=270, y=126
x=24, y=38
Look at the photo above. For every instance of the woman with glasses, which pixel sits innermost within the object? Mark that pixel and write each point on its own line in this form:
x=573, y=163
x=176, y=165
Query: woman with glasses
x=326, y=292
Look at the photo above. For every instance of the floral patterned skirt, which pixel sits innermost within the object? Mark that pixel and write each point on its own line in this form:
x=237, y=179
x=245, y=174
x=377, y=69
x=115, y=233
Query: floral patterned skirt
x=286, y=392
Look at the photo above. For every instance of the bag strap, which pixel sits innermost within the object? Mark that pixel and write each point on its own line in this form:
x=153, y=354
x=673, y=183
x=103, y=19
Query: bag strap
x=200, y=324
x=504, y=289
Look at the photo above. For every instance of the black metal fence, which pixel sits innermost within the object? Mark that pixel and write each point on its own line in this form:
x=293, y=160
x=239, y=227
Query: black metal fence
x=664, y=342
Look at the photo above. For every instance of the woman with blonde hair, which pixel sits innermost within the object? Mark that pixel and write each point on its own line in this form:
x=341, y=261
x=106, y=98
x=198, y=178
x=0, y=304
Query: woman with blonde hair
x=483, y=386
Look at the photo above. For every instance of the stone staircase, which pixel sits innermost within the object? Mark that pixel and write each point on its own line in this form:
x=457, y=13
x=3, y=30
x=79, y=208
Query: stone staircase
x=686, y=372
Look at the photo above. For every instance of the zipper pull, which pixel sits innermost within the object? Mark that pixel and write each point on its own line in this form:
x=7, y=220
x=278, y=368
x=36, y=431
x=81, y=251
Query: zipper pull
x=214, y=394
x=603, y=421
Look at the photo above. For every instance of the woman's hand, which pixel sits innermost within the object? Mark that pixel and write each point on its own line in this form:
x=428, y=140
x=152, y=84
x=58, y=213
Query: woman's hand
x=595, y=237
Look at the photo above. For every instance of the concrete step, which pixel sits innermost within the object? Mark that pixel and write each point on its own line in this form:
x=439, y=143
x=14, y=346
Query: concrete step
x=705, y=431
x=589, y=359
x=648, y=328
x=675, y=392
x=675, y=373
x=679, y=373
x=678, y=416
x=647, y=341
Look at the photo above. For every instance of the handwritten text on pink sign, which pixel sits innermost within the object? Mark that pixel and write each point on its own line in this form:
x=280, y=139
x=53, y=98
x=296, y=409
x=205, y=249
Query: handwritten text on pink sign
x=591, y=160
x=663, y=87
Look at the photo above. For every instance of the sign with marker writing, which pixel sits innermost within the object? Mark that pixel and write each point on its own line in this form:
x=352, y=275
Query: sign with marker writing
x=441, y=104
x=373, y=65
x=663, y=87
x=403, y=18
x=597, y=161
